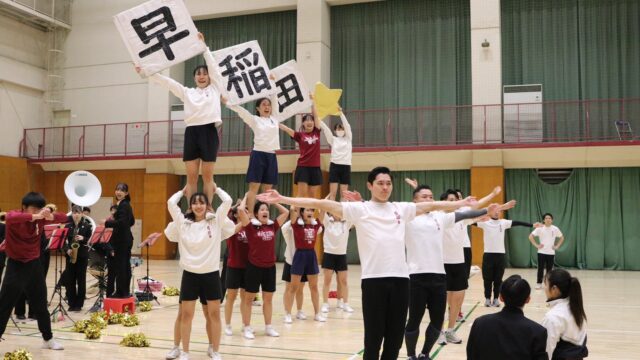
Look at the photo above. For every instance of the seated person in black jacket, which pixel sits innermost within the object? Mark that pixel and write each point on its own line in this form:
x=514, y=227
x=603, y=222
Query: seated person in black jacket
x=78, y=236
x=508, y=335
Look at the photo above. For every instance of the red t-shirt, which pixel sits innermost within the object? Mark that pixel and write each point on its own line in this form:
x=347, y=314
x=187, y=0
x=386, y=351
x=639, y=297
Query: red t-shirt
x=309, y=147
x=238, y=246
x=305, y=235
x=262, y=244
x=23, y=235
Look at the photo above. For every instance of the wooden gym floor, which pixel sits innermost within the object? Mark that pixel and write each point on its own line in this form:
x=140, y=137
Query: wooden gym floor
x=612, y=300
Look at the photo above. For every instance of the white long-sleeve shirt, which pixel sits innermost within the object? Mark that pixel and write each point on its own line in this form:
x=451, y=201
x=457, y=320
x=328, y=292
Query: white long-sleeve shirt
x=289, y=245
x=341, y=147
x=201, y=106
x=199, y=241
x=266, y=134
x=560, y=324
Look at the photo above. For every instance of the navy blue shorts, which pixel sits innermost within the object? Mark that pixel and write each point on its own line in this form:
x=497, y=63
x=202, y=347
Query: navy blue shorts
x=286, y=274
x=263, y=168
x=305, y=262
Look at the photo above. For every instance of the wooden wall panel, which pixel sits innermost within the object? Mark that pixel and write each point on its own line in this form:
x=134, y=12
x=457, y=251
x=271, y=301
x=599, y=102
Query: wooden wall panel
x=483, y=180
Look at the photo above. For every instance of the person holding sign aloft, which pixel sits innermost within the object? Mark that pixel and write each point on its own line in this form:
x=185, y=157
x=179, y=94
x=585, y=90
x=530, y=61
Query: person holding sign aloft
x=202, y=118
x=341, y=147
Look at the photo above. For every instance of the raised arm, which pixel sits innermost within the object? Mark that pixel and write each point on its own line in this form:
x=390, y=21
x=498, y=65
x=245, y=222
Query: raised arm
x=284, y=213
x=411, y=182
x=485, y=200
x=345, y=124
x=273, y=197
x=174, y=209
x=224, y=208
x=470, y=214
x=210, y=61
x=425, y=207
x=293, y=214
x=525, y=224
x=321, y=212
x=287, y=129
x=243, y=113
x=243, y=215
x=175, y=87
x=327, y=132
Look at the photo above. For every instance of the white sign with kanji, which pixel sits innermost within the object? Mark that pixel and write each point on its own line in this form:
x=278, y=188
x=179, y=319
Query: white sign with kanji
x=243, y=73
x=292, y=96
x=159, y=34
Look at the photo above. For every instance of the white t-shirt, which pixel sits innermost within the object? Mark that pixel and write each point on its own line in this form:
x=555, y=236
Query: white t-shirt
x=201, y=106
x=336, y=235
x=547, y=236
x=381, y=236
x=454, y=240
x=466, y=242
x=290, y=246
x=341, y=147
x=494, y=231
x=424, y=237
x=266, y=134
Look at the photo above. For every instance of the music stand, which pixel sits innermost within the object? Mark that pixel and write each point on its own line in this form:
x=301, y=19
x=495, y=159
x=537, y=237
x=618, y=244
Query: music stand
x=3, y=246
x=101, y=235
x=147, y=294
x=57, y=235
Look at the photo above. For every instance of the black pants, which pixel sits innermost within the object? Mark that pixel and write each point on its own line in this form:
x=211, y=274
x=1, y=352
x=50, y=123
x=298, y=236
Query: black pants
x=430, y=291
x=25, y=278
x=467, y=260
x=21, y=304
x=76, y=281
x=492, y=272
x=119, y=274
x=384, y=310
x=545, y=262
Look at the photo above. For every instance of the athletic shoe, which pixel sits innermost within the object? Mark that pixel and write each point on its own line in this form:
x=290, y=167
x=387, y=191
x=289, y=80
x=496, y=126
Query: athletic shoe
x=320, y=318
x=423, y=357
x=270, y=331
x=184, y=356
x=52, y=344
x=442, y=340
x=340, y=304
x=496, y=303
x=21, y=317
x=247, y=333
x=452, y=337
x=346, y=307
x=287, y=319
x=460, y=318
x=215, y=356
x=538, y=286
x=487, y=302
x=173, y=354
x=325, y=308
x=412, y=358
x=257, y=301
x=227, y=330
x=301, y=316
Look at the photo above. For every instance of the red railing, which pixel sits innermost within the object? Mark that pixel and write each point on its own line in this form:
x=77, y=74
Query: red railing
x=552, y=123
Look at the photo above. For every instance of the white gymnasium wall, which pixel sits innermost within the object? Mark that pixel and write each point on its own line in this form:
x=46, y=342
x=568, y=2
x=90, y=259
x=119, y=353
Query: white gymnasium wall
x=22, y=82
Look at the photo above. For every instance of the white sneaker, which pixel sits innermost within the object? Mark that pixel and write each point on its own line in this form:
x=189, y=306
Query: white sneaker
x=346, y=307
x=496, y=303
x=301, y=316
x=451, y=337
x=257, y=303
x=538, y=286
x=442, y=340
x=227, y=330
x=247, y=333
x=173, y=354
x=270, y=331
x=184, y=356
x=215, y=356
x=52, y=344
x=487, y=302
x=340, y=304
x=319, y=317
x=325, y=308
x=287, y=319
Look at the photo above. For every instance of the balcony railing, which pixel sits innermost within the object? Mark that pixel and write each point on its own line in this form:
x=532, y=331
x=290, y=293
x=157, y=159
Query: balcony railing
x=610, y=121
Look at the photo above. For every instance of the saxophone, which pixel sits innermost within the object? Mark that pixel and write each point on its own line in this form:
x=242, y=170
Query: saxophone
x=75, y=245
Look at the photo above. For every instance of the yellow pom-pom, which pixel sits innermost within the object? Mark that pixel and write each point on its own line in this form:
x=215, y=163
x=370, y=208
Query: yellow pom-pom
x=20, y=354
x=135, y=340
x=144, y=306
x=130, y=320
x=170, y=291
x=80, y=326
x=92, y=332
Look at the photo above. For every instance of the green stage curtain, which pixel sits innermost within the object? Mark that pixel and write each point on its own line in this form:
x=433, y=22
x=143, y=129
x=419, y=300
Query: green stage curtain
x=597, y=209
